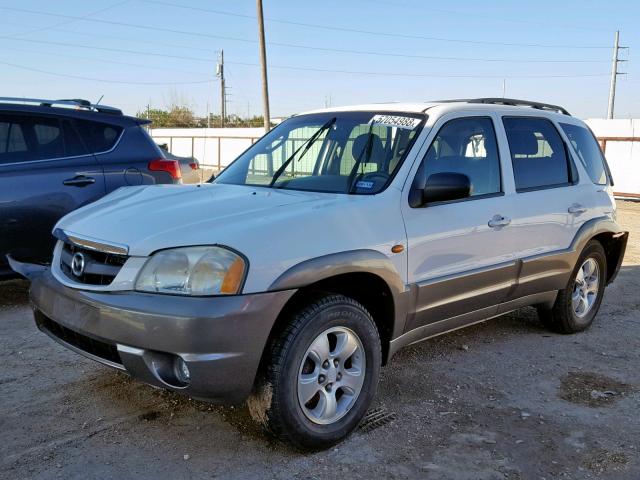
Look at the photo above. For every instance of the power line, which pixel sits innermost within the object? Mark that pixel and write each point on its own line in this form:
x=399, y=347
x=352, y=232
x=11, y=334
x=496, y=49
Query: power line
x=289, y=67
x=113, y=37
x=310, y=25
x=109, y=49
x=420, y=75
x=66, y=22
x=102, y=80
x=492, y=16
x=326, y=49
x=102, y=60
x=371, y=32
x=311, y=69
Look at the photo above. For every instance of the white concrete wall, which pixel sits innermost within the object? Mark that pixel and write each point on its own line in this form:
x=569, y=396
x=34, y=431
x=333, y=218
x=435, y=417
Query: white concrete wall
x=213, y=147
x=623, y=157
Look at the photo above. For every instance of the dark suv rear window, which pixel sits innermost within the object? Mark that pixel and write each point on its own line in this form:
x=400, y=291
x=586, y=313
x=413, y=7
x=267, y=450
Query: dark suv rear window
x=27, y=138
x=99, y=137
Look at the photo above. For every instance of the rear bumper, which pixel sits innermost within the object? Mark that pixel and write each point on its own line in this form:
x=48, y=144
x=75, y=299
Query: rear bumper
x=220, y=339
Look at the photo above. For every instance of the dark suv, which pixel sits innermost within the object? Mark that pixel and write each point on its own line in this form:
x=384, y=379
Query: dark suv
x=56, y=156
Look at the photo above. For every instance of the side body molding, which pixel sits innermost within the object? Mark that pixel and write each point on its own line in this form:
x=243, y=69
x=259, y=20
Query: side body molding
x=354, y=261
x=552, y=271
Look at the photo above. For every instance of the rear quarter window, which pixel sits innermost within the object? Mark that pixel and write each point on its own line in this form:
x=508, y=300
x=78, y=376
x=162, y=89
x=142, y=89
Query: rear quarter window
x=98, y=137
x=588, y=150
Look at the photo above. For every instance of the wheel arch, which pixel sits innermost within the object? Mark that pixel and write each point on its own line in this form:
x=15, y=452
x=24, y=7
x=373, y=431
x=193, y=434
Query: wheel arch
x=367, y=276
x=610, y=235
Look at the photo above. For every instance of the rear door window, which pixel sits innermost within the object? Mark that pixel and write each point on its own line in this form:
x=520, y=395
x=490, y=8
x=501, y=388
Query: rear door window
x=538, y=153
x=28, y=138
x=99, y=137
x=588, y=150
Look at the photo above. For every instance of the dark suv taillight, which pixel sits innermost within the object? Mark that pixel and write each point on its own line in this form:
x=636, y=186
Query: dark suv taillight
x=172, y=167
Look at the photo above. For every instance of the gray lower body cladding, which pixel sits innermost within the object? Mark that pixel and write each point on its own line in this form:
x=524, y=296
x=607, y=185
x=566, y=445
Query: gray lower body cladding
x=221, y=339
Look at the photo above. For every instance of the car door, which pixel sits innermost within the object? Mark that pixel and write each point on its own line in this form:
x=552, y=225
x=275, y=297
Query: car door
x=45, y=172
x=458, y=259
x=550, y=203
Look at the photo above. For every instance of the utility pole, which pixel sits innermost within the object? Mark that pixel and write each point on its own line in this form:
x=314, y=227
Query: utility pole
x=614, y=73
x=263, y=64
x=223, y=94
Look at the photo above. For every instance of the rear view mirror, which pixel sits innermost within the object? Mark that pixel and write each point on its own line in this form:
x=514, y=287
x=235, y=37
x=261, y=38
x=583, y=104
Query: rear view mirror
x=444, y=186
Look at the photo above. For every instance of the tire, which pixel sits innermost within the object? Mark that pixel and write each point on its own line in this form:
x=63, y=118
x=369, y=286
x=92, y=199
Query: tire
x=563, y=316
x=297, y=367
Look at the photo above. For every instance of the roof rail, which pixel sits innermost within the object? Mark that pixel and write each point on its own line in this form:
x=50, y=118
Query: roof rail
x=519, y=103
x=509, y=101
x=75, y=102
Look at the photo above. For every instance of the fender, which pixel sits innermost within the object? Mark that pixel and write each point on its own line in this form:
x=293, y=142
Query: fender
x=354, y=261
x=615, y=249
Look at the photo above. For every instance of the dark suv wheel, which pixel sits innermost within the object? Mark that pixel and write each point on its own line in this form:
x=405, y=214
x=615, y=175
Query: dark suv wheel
x=577, y=305
x=322, y=374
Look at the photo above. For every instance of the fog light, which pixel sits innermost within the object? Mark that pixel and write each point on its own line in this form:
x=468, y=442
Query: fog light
x=181, y=370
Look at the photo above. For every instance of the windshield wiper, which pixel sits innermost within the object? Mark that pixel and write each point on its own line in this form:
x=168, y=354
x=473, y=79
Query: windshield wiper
x=367, y=148
x=307, y=145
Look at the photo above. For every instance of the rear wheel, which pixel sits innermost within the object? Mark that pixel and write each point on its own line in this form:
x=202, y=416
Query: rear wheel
x=322, y=374
x=577, y=305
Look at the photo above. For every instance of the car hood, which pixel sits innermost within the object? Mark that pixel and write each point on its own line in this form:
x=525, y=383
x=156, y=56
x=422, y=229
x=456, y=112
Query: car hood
x=149, y=218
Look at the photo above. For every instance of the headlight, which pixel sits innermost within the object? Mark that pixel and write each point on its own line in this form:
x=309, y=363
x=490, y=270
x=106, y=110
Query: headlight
x=193, y=271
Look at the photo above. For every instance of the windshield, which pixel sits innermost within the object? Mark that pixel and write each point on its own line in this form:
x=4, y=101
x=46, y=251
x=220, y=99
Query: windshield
x=337, y=152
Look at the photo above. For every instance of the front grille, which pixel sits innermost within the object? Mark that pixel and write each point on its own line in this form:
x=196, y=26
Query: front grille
x=97, y=348
x=100, y=268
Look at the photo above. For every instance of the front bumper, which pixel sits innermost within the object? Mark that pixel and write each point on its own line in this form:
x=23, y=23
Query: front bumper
x=221, y=339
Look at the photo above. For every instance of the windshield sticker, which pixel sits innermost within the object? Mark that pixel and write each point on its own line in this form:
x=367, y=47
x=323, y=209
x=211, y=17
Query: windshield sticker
x=363, y=184
x=397, y=121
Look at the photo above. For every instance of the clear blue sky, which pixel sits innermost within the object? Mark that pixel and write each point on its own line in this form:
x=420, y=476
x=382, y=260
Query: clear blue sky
x=178, y=48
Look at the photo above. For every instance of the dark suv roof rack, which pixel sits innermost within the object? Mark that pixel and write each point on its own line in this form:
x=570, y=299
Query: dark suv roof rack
x=514, y=102
x=74, y=102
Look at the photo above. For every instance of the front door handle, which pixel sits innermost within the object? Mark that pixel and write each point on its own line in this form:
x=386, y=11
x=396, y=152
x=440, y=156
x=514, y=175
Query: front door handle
x=577, y=209
x=499, y=221
x=79, y=181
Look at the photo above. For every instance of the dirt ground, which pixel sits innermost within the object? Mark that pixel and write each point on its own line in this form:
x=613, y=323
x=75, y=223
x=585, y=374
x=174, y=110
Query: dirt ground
x=504, y=399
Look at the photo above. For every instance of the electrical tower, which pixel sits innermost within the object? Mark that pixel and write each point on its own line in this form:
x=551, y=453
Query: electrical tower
x=223, y=92
x=614, y=73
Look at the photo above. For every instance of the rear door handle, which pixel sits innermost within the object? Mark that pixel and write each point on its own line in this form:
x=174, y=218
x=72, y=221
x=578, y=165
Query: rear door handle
x=79, y=181
x=577, y=209
x=499, y=221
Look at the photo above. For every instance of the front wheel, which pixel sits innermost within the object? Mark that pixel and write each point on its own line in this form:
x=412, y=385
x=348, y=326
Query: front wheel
x=322, y=374
x=577, y=305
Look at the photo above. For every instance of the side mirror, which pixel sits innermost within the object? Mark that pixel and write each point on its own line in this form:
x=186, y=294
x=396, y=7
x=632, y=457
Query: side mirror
x=444, y=186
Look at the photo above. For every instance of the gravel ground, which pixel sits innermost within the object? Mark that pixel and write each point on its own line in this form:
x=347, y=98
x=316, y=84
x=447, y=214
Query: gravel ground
x=504, y=399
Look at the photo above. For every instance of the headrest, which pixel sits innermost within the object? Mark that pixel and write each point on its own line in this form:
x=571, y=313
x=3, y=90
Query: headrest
x=522, y=142
x=360, y=143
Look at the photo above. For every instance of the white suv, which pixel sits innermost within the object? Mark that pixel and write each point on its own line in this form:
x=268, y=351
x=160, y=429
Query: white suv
x=339, y=237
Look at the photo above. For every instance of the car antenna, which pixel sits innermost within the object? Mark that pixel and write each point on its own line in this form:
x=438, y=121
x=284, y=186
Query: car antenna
x=100, y=99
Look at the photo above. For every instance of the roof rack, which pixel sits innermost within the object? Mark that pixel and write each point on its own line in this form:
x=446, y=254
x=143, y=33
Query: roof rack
x=513, y=102
x=74, y=102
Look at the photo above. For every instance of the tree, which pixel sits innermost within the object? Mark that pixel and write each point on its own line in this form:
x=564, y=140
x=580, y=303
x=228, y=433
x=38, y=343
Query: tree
x=178, y=116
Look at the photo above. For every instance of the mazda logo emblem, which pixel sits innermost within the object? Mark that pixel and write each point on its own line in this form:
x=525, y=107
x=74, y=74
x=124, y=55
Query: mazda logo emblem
x=77, y=264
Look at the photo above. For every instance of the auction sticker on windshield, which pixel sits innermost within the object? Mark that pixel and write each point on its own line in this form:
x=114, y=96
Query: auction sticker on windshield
x=398, y=121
